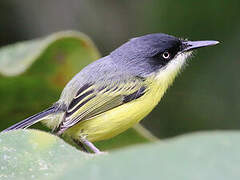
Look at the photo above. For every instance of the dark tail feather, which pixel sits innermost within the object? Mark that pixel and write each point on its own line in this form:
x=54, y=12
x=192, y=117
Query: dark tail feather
x=32, y=120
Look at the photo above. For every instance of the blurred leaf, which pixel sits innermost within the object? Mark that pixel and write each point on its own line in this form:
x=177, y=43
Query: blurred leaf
x=16, y=58
x=38, y=70
x=30, y=154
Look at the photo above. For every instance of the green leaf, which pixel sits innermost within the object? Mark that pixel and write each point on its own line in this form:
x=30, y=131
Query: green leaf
x=208, y=156
x=17, y=58
x=35, y=72
x=31, y=154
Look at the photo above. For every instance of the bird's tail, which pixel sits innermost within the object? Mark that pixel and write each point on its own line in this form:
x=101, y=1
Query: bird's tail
x=33, y=119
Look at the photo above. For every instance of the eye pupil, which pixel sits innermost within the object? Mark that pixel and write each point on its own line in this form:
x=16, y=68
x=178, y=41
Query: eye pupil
x=166, y=55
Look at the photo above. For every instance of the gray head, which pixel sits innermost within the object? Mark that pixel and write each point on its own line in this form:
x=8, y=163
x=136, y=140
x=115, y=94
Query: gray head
x=152, y=52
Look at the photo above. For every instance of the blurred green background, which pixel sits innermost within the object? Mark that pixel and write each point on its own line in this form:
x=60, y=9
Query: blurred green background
x=204, y=97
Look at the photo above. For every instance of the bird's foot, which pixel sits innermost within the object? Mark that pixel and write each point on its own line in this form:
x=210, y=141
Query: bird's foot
x=91, y=146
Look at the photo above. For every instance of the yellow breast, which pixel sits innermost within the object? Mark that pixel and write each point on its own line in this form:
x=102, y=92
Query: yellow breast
x=119, y=119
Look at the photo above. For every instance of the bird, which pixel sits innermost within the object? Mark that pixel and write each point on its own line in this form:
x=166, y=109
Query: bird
x=117, y=91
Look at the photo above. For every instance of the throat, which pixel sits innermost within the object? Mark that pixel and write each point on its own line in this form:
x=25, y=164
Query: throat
x=166, y=75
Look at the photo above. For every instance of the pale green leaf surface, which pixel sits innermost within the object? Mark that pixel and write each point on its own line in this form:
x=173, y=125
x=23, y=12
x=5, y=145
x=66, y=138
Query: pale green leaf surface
x=30, y=154
x=198, y=156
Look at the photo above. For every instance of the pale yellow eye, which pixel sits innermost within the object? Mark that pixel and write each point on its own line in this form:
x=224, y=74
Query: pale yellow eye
x=166, y=55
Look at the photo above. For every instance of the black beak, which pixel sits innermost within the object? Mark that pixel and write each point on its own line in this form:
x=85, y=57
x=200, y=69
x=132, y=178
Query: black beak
x=191, y=45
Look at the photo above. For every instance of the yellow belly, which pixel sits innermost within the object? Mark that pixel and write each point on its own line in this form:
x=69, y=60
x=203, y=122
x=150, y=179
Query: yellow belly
x=117, y=120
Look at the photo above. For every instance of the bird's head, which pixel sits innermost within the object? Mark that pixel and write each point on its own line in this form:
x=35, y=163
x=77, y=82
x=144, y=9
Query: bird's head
x=156, y=53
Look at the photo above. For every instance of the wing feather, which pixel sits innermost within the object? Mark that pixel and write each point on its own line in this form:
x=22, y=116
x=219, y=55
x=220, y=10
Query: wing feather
x=94, y=100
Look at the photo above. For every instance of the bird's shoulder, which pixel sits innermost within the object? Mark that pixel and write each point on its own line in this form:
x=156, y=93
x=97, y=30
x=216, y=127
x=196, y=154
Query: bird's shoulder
x=100, y=74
